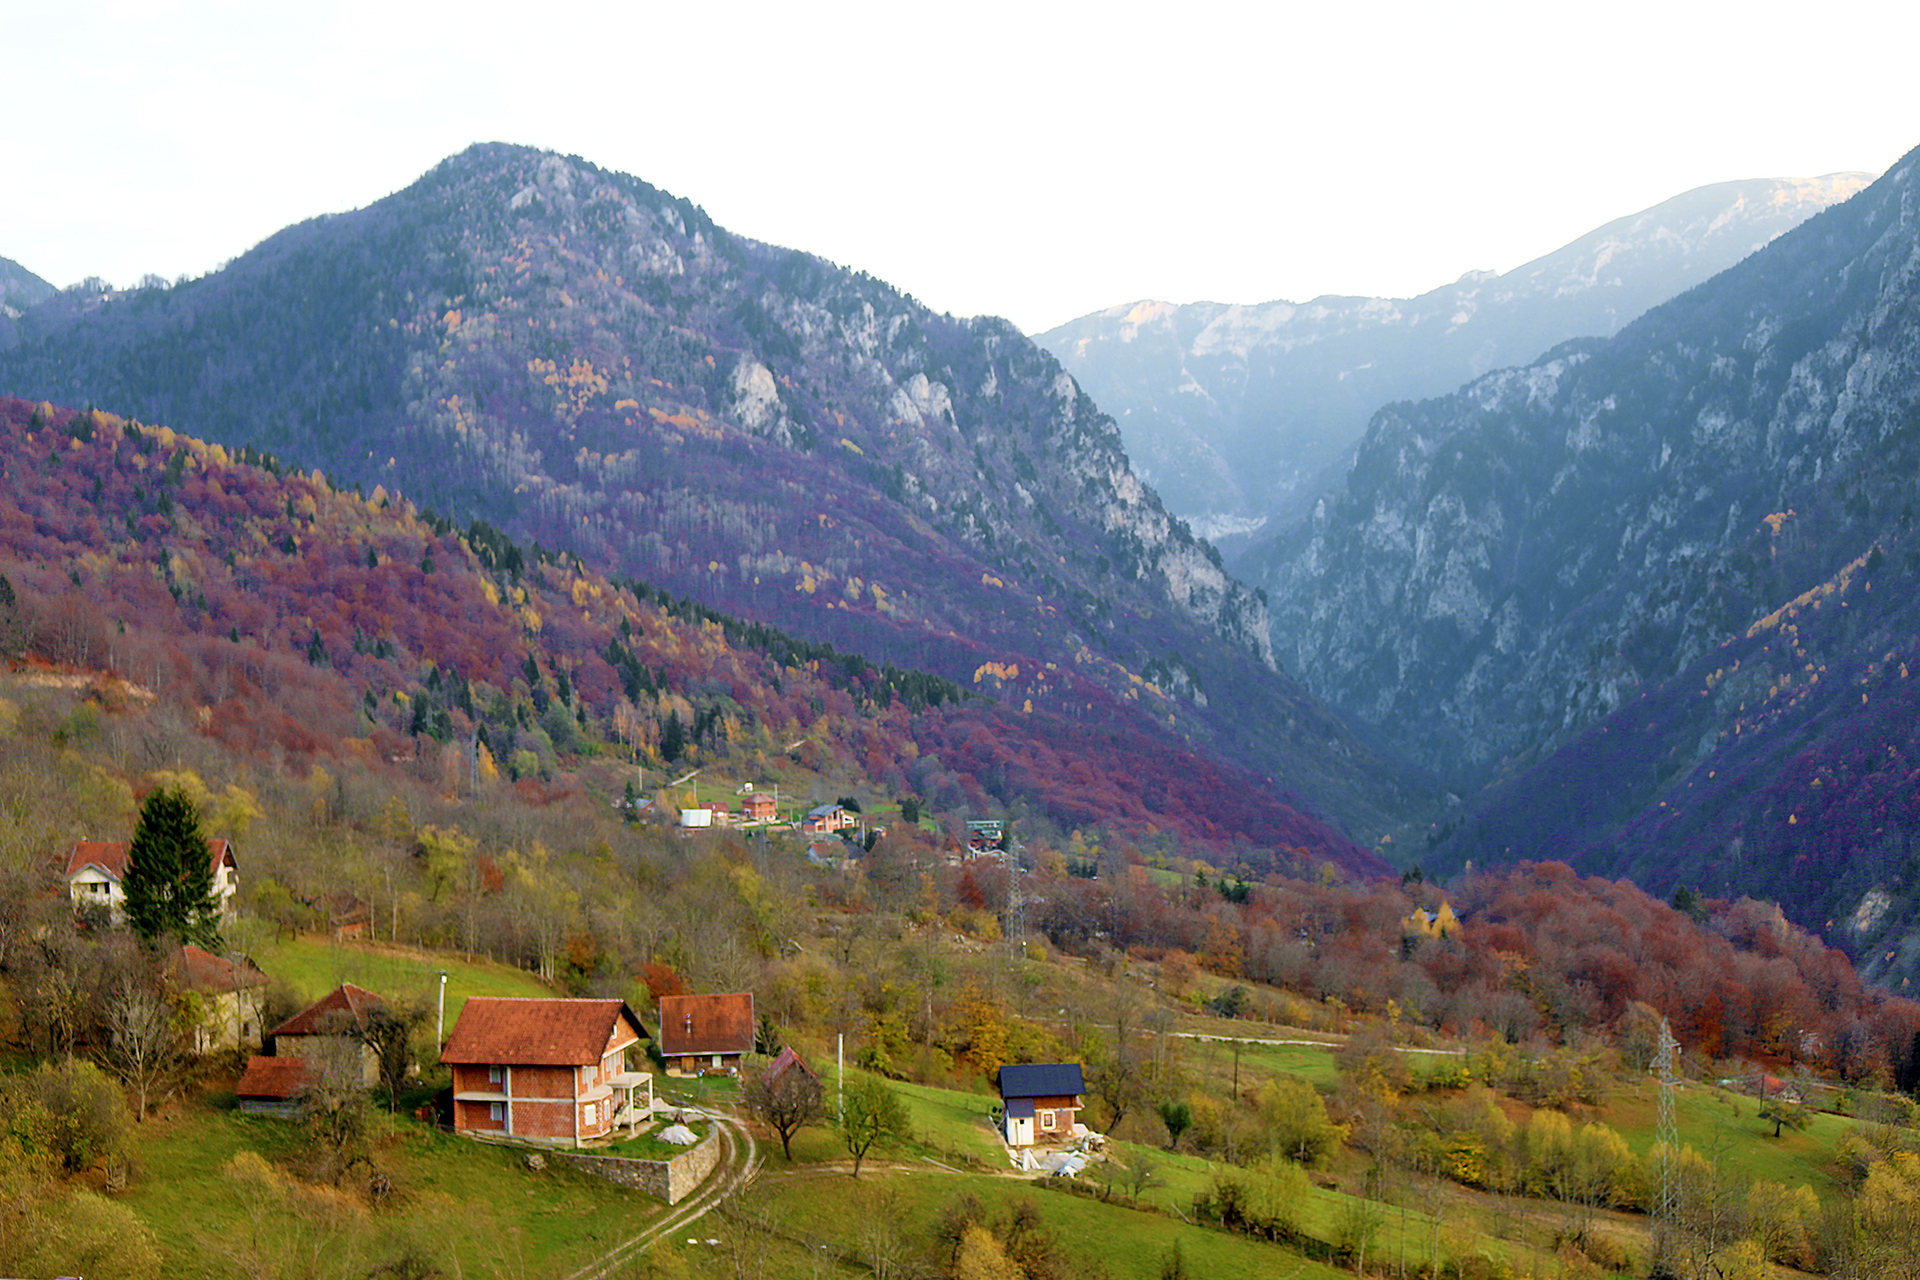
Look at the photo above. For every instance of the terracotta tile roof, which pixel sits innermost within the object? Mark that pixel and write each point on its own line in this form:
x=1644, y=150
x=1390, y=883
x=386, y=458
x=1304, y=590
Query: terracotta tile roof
x=345, y=1005
x=203, y=971
x=787, y=1060
x=111, y=856
x=277, y=1078
x=521, y=1031
x=692, y=1025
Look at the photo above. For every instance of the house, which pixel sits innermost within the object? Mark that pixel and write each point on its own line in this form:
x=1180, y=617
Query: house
x=543, y=1070
x=230, y=993
x=787, y=1060
x=759, y=806
x=828, y=855
x=347, y=916
x=272, y=1086
x=96, y=875
x=1038, y=1102
x=701, y=1034
x=337, y=1018
x=825, y=818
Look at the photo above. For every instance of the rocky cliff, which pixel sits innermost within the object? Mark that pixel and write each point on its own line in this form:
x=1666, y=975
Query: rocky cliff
x=1236, y=413
x=1508, y=564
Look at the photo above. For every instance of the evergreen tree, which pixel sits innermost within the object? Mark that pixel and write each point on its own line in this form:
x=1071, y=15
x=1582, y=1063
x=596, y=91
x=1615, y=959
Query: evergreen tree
x=170, y=873
x=673, y=738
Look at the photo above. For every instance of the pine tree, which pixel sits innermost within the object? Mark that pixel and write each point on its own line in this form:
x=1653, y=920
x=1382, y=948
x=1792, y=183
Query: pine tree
x=170, y=873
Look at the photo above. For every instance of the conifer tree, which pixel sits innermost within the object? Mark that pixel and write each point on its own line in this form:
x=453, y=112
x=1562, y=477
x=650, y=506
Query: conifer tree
x=170, y=873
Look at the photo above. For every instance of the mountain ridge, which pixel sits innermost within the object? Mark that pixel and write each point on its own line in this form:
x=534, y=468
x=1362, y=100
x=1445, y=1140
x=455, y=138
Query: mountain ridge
x=1240, y=412
x=578, y=357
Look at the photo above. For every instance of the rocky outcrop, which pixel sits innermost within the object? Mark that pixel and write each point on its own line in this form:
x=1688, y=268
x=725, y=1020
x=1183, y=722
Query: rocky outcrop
x=1508, y=563
x=1235, y=412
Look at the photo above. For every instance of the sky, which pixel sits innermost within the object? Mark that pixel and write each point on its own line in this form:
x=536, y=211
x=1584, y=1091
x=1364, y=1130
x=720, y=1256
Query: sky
x=1033, y=160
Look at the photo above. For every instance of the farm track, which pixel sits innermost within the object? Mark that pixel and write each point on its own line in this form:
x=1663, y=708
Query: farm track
x=739, y=1162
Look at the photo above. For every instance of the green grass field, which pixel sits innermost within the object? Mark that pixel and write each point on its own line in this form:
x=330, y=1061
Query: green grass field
x=1727, y=1129
x=313, y=966
x=475, y=1209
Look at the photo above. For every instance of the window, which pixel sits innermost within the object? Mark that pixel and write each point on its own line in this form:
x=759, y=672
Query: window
x=717, y=1062
x=493, y=1075
x=1046, y=1120
x=497, y=1112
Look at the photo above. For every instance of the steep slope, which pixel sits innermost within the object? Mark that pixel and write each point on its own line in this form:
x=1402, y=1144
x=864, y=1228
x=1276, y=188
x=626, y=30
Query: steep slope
x=19, y=289
x=580, y=358
x=1234, y=413
x=1510, y=563
x=306, y=623
x=1784, y=763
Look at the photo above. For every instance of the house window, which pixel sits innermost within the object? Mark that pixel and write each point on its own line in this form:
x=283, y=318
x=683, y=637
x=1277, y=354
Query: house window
x=1046, y=1120
x=497, y=1112
x=716, y=1061
x=493, y=1075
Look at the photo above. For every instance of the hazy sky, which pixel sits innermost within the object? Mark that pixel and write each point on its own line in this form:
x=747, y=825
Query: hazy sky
x=1033, y=160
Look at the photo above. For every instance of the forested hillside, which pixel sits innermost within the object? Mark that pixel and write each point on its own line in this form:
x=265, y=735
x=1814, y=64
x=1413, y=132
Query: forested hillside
x=304, y=624
x=579, y=358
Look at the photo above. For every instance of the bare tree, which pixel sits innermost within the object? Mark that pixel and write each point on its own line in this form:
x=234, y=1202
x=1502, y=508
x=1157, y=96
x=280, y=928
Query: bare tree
x=334, y=1105
x=388, y=1031
x=785, y=1101
x=143, y=1043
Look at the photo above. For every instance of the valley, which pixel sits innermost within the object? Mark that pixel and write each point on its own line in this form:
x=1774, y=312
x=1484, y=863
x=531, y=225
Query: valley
x=478, y=563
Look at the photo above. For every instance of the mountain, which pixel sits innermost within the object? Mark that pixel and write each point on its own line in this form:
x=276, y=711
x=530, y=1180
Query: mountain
x=1236, y=414
x=304, y=626
x=579, y=358
x=19, y=289
x=1657, y=586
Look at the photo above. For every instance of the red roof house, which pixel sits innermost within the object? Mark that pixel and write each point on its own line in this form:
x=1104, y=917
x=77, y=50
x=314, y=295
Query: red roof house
x=96, y=874
x=700, y=1034
x=550, y=1071
x=272, y=1086
x=339, y=1015
x=230, y=996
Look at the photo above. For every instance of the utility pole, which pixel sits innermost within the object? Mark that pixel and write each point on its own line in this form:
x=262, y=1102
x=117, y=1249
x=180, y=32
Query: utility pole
x=440, y=1023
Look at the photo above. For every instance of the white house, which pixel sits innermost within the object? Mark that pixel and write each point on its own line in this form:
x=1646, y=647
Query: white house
x=97, y=871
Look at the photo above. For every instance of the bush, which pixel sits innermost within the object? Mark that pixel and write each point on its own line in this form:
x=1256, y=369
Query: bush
x=70, y=1110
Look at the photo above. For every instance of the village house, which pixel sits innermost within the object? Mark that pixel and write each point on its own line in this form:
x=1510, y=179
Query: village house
x=96, y=875
x=230, y=994
x=335, y=1021
x=1038, y=1102
x=759, y=806
x=703, y=1034
x=550, y=1071
x=825, y=818
x=347, y=915
x=271, y=1086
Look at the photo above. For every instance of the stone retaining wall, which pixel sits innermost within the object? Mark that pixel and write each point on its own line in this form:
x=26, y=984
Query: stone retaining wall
x=670, y=1180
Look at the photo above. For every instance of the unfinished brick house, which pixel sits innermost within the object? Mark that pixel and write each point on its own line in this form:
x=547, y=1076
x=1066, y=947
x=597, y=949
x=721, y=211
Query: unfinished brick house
x=547, y=1071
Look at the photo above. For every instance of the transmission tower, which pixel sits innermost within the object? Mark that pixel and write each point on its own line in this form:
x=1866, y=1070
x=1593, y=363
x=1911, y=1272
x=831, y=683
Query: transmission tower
x=1016, y=901
x=1666, y=1136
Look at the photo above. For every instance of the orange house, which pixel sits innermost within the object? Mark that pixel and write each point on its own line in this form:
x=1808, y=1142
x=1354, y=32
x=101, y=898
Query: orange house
x=546, y=1071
